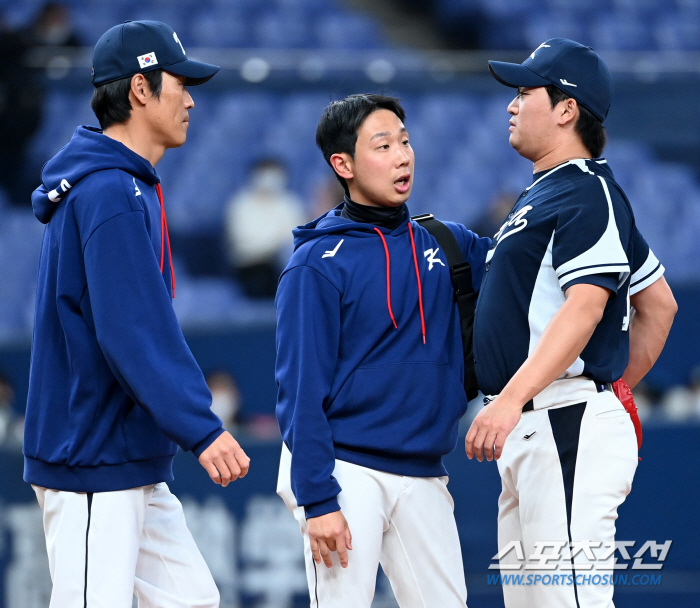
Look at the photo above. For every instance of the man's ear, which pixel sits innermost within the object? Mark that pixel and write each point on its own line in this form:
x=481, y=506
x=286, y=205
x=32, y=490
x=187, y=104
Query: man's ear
x=343, y=165
x=568, y=110
x=140, y=89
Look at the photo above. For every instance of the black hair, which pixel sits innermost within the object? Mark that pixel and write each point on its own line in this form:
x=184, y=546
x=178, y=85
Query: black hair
x=341, y=120
x=110, y=101
x=588, y=127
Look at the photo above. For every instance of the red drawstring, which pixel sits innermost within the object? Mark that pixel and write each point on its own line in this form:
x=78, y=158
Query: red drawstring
x=388, y=277
x=420, y=290
x=163, y=235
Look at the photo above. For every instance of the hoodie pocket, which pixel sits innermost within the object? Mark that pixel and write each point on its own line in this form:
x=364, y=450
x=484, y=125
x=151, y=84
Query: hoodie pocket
x=403, y=409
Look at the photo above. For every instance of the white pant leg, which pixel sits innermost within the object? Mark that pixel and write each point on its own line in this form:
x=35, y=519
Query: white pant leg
x=601, y=463
x=105, y=546
x=509, y=531
x=92, y=542
x=171, y=572
x=421, y=554
x=607, y=462
x=533, y=468
x=365, y=498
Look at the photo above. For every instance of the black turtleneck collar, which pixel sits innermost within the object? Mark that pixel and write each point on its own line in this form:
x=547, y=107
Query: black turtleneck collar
x=385, y=217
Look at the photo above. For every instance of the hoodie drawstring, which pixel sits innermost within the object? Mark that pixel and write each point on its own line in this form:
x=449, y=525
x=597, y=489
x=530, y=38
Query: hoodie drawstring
x=388, y=279
x=420, y=289
x=163, y=235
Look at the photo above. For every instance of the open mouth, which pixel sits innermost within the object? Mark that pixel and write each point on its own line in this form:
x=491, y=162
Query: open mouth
x=403, y=184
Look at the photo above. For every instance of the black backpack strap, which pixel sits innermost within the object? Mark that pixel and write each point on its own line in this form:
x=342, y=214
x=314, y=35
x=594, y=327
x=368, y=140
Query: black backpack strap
x=461, y=274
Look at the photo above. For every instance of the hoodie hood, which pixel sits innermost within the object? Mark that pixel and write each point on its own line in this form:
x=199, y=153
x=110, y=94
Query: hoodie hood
x=332, y=223
x=87, y=152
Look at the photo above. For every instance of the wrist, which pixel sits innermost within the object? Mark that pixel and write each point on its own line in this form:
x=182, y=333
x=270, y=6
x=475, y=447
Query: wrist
x=509, y=403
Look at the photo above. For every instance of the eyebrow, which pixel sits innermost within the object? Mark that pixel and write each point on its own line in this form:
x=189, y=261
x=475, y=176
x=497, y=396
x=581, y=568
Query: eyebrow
x=387, y=133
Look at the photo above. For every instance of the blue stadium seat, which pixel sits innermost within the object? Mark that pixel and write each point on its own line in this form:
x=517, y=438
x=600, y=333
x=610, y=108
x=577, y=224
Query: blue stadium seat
x=284, y=29
x=342, y=30
x=679, y=32
x=620, y=31
x=227, y=27
x=542, y=26
x=63, y=112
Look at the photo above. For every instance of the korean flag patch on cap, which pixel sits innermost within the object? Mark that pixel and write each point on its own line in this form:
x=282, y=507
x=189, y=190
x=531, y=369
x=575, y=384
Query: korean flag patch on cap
x=147, y=60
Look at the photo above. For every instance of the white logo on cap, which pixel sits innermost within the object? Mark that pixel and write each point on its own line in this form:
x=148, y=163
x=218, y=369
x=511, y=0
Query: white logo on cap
x=147, y=60
x=180, y=43
x=543, y=45
x=567, y=83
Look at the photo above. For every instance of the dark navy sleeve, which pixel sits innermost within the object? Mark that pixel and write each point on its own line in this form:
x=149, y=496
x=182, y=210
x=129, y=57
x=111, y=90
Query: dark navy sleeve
x=474, y=249
x=607, y=280
x=140, y=336
x=591, y=233
x=308, y=339
x=646, y=269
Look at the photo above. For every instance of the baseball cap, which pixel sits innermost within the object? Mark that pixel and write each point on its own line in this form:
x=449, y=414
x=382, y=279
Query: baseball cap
x=135, y=47
x=572, y=67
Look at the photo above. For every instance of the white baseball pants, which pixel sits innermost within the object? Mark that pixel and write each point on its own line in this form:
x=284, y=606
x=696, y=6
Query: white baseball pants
x=406, y=524
x=565, y=470
x=106, y=547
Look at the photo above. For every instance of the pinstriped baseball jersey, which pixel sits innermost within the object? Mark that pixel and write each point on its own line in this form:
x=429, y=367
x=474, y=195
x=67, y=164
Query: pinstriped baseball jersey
x=572, y=225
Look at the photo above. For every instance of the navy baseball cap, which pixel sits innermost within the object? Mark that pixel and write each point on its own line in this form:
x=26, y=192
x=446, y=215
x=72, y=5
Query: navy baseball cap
x=572, y=67
x=135, y=47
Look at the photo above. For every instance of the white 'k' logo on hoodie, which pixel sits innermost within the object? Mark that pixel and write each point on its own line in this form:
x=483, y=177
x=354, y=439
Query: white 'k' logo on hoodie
x=430, y=254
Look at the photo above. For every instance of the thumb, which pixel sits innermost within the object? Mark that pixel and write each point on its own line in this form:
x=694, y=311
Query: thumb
x=348, y=538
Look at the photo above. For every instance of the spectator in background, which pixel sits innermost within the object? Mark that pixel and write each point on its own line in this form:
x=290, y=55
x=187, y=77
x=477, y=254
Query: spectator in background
x=21, y=104
x=11, y=424
x=328, y=194
x=225, y=399
x=259, y=221
x=53, y=27
x=683, y=402
x=496, y=213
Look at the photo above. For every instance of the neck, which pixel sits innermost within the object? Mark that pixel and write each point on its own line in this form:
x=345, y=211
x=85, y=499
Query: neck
x=559, y=155
x=387, y=217
x=132, y=136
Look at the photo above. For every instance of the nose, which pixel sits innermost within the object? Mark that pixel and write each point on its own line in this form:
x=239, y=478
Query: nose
x=403, y=157
x=513, y=106
x=189, y=102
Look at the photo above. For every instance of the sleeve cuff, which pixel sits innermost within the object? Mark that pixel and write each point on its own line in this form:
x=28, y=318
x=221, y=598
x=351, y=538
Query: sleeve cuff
x=322, y=508
x=639, y=283
x=208, y=440
x=602, y=280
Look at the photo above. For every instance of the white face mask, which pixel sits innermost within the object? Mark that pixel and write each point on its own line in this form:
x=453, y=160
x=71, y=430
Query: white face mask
x=5, y=416
x=270, y=180
x=225, y=404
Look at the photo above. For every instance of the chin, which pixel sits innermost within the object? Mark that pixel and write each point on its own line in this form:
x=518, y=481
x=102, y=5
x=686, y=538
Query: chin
x=176, y=143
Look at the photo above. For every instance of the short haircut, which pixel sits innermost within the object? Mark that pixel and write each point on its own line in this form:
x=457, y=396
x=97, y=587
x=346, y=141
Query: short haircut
x=588, y=127
x=341, y=120
x=110, y=101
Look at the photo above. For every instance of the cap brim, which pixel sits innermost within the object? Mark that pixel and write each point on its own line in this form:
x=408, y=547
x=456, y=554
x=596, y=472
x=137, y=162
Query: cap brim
x=195, y=72
x=516, y=75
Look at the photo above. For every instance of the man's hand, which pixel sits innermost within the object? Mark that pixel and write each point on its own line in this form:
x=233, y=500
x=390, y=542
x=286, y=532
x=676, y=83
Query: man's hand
x=491, y=427
x=225, y=460
x=328, y=533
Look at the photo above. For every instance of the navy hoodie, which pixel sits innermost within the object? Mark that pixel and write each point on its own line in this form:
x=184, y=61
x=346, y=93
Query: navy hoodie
x=370, y=365
x=113, y=386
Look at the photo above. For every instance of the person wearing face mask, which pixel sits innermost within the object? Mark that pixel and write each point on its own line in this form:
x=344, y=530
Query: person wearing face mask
x=258, y=220
x=225, y=399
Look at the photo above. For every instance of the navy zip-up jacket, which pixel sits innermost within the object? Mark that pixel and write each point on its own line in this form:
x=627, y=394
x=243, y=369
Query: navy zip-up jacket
x=113, y=386
x=370, y=365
